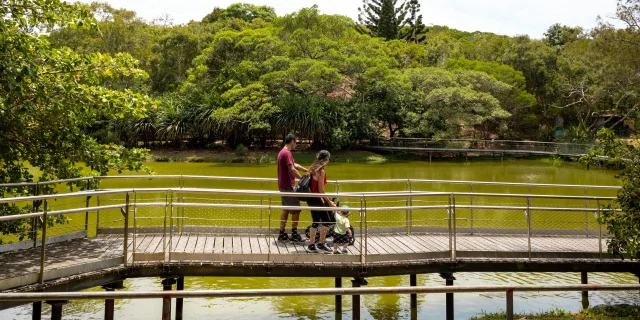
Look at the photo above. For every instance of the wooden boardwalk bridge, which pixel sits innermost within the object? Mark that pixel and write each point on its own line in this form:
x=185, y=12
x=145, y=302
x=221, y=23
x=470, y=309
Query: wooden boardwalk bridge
x=113, y=234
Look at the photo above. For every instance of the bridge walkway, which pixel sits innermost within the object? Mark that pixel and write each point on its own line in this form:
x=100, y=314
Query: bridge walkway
x=21, y=268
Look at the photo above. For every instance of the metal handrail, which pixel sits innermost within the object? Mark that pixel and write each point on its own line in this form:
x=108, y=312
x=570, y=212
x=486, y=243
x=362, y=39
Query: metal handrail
x=401, y=194
x=230, y=178
x=376, y=194
x=244, y=293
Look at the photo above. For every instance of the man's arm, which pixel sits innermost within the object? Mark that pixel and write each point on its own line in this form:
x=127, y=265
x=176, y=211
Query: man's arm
x=300, y=168
x=293, y=170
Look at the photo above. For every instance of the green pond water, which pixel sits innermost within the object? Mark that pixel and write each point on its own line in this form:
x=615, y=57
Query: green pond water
x=373, y=307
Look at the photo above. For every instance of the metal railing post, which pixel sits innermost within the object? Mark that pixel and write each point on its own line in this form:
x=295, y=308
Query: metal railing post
x=599, y=229
x=135, y=227
x=126, y=229
x=44, y=241
x=261, y=198
x=471, y=205
x=450, y=229
x=529, y=226
x=34, y=221
x=406, y=212
x=455, y=229
x=411, y=206
x=164, y=226
x=180, y=215
x=269, y=233
x=86, y=216
x=586, y=213
x=97, y=204
x=168, y=256
x=363, y=230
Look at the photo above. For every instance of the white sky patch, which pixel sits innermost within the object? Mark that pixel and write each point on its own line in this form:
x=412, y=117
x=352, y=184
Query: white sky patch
x=508, y=17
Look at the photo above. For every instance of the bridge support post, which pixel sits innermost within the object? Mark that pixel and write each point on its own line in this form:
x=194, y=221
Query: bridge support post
x=179, y=301
x=509, y=304
x=56, y=308
x=37, y=311
x=356, y=283
x=449, y=278
x=109, y=304
x=584, y=279
x=167, y=285
x=338, y=299
x=413, y=281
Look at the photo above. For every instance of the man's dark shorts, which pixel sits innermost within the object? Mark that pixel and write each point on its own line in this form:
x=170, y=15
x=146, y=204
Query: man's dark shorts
x=290, y=201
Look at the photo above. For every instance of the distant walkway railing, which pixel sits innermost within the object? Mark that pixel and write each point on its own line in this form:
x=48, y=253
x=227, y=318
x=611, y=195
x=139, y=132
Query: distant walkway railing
x=473, y=145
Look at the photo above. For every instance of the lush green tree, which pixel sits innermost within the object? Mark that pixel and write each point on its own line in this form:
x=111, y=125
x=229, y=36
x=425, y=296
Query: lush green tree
x=444, y=102
x=382, y=18
x=558, y=35
x=243, y=11
x=49, y=96
x=415, y=30
x=622, y=225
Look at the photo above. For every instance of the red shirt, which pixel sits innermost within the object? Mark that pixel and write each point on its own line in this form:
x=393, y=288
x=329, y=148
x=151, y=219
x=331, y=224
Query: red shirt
x=286, y=180
x=314, y=184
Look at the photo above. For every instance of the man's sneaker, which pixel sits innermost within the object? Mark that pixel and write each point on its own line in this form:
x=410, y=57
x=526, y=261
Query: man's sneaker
x=336, y=252
x=283, y=236
x=323, y=247
x=312, y=247
x=344, y=251
x=295, y=237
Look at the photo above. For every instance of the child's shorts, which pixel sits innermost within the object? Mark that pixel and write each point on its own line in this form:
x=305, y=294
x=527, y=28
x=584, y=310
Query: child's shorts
x=341, y=238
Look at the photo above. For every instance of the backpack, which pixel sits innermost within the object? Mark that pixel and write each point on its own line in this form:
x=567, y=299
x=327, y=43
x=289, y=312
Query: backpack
x=304, y=186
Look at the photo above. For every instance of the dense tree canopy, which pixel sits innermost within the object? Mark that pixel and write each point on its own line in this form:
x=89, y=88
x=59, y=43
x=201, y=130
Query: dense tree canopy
x=245, y=75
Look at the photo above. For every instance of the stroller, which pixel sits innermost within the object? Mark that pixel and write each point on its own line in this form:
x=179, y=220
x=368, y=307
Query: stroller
x=330, y=232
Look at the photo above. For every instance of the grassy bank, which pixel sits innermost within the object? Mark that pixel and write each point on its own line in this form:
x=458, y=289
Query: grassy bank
x=614, y=312
x=260, y=156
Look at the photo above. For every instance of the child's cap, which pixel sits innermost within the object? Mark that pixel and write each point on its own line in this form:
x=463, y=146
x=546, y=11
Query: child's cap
x=346, y=212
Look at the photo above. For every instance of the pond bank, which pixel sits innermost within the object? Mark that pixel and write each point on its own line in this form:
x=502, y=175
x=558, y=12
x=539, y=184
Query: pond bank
x=268, y=156
x=602, y=312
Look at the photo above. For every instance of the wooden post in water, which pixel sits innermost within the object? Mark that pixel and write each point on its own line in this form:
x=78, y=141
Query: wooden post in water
x=413, y=281
x=356, y=283
x=179, y=301
x=56, y=308
x=584, y=279
x=37, y=311
x=338, y=299
x=449, y=278
x=109, y=304
x=167, y=285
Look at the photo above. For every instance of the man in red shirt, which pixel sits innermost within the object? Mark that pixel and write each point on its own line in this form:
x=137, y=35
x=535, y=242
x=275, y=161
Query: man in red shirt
x=287, y=174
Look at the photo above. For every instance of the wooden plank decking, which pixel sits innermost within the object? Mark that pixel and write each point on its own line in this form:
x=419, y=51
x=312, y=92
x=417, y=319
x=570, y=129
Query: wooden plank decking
x=22, y=267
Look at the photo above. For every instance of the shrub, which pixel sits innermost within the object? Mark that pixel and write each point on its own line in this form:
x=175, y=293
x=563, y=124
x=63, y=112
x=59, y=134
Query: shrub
x=241, y=150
